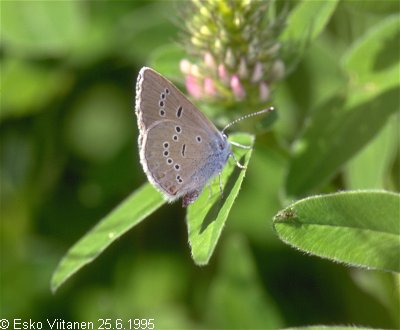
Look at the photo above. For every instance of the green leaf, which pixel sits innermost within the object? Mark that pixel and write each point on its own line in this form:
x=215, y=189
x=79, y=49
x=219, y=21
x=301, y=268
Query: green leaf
x=371, y=168
x=308, y=19
x=373, y=62
x=207, y=216
x=264, y=178
x=339, y=129
x=305, y=22
x=335, y=133
x=359, y=228
x=135, y=208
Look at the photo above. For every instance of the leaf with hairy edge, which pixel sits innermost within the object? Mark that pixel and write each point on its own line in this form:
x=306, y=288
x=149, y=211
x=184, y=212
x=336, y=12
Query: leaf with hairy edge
x=135, y=208
x=359, y=228
x=207, y=216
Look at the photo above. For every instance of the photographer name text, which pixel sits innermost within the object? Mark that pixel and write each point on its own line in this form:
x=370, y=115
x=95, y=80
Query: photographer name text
x=60, y=324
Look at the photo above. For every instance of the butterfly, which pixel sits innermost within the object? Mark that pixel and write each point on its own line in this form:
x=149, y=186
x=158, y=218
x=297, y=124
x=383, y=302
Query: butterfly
x=180, y=148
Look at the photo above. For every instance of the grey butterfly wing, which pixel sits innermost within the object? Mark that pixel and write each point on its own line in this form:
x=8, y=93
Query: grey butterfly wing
x=179, y=146
x=176, y=163
x=157, y=99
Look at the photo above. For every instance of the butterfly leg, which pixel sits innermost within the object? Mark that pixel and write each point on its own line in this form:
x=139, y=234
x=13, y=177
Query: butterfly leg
x=240, y=145
x=237, y=162
x=210, y=192
x=220, y=186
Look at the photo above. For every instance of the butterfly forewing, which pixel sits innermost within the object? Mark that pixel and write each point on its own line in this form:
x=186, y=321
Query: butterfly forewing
x=158, y=99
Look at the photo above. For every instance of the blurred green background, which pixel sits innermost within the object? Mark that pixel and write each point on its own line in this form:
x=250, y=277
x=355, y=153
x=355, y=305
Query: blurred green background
x=69, y=155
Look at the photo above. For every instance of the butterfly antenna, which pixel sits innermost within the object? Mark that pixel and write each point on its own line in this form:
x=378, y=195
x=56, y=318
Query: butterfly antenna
x=248, y=116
